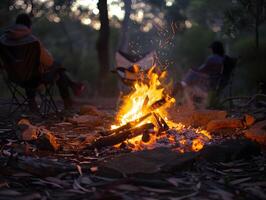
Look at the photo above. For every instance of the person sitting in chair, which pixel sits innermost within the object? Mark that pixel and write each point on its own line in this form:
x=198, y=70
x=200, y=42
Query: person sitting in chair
x=21, y=34
x=209, y=76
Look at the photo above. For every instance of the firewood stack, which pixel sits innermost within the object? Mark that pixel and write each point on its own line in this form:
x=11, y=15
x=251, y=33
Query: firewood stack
x=133, y=129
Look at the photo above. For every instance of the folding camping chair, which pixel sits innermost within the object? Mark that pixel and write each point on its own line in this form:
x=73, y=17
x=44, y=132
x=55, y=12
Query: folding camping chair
x=21, y=70
x=230, y=64
x=228, y=74
x=126, y=68
x=200, y=84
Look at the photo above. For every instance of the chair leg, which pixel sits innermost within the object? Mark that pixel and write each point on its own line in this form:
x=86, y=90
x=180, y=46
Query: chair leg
x=51, y=99
x=16, y=104
x=44, y=106
x=19, y=106
x=48, y=102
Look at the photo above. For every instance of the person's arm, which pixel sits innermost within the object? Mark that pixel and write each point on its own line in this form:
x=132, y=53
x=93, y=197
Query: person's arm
x=204, y=66
x=46, y=59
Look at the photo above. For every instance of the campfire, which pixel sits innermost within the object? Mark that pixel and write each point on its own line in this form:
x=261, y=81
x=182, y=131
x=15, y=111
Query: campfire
x=142, y=121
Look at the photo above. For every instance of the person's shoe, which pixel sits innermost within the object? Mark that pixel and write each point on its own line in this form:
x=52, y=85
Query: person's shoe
x=78, y=89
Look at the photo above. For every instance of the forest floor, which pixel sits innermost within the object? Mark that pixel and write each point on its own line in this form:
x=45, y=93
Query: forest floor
x=231, y=167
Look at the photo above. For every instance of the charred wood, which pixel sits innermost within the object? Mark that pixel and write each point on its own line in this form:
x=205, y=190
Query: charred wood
x=127, y=126
x=160, y=122
x=121, y=136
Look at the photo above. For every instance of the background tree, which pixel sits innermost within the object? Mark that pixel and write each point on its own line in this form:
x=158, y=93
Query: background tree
x=246, y=15
x=70, y=29
x=5, y=13
x=102, y=44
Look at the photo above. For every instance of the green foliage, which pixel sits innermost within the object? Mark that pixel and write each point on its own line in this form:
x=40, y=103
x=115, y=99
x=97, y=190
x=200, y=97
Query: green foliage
x=190, y=50
x=176, y=12
x=251, y=67
x=235, y=21
x=6, y=15
x=245, y=15
x=72, y=44
x=204, y=12
x=75, y=44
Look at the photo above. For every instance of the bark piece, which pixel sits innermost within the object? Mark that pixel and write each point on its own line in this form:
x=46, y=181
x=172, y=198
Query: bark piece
x=215, y=125
x=257, y=132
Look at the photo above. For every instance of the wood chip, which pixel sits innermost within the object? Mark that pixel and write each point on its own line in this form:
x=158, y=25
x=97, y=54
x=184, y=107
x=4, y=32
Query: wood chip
x=241, y=180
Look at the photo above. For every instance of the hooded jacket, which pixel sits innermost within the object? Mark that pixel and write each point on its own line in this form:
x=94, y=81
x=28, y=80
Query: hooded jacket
x=20, y=35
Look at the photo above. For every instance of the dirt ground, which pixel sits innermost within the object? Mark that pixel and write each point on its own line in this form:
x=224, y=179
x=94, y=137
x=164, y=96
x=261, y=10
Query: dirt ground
x=232, y=167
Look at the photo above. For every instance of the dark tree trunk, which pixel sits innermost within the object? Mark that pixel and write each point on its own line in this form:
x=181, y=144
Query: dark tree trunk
x=124, y=42
x=5, y=14
x=257, y=22
x=103, y=44
x=257, y=36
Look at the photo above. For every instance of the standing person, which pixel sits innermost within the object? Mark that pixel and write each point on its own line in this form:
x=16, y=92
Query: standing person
x=21, y=34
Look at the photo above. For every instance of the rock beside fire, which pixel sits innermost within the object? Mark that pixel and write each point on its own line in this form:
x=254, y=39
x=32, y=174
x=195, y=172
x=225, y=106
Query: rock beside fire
x=257, y=132
x=230, y=150
x=167, y=160
x=43, y=138
x=26, y=131
x=197, y=118
x=202, y=117
x=215, y=125
x=230, y=123
x=147, y=161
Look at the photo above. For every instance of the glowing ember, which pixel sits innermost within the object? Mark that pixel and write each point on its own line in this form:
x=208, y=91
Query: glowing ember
x=149, y=96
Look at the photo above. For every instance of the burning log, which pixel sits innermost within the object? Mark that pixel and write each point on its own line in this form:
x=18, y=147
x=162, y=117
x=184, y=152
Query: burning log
x=120, y=136
x=146, y=137
x=158, y=104
x=130, y=129
x=127, y=126
x=161, y=122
